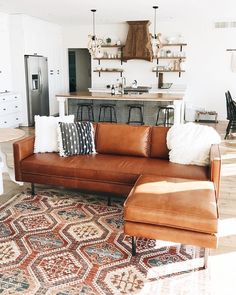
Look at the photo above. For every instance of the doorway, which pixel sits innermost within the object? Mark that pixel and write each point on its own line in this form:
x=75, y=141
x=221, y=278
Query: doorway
x=79, y=69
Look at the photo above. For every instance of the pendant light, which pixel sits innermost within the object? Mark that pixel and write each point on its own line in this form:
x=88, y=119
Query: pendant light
x=156, y=38
x=94, y=44
x=155, y=22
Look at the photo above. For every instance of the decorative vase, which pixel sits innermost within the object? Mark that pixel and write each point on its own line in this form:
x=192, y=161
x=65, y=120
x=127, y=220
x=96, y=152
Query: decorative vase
x=99, y=54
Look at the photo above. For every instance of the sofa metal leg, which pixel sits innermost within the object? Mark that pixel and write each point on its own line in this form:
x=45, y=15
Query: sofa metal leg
x=133, y=246
x=206, y=255
x=32, y=189
x=109, y=201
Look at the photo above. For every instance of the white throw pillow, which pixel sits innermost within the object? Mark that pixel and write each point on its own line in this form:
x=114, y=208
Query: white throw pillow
x=46, y=138
x=190, y=143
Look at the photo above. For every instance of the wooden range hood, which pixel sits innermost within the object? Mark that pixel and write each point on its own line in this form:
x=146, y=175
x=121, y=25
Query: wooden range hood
x=138, y=43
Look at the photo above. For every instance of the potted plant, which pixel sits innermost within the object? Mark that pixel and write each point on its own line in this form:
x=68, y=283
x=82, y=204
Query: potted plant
x=108, y=40
x=168, y=53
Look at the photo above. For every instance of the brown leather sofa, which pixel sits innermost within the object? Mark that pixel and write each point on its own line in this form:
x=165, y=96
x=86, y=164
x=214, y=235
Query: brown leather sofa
x=124, y=153
x=166, y=200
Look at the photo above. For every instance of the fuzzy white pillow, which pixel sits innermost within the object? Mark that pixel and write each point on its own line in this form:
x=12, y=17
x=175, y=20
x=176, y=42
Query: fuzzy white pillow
x=46, y=138
x=190, y=143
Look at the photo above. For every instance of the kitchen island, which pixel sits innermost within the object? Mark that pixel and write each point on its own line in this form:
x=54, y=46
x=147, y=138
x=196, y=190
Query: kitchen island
x=175, y=99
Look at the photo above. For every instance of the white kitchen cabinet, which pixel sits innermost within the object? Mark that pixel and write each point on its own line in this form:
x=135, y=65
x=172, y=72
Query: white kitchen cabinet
x=5, y=64
x=10, y=106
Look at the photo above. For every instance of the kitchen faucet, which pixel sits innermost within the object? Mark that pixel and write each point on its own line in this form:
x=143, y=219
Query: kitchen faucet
x=135, y=84
x=123, y=84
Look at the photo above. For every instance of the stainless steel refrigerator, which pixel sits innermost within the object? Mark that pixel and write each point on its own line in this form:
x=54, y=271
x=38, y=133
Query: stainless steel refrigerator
x=36, y=86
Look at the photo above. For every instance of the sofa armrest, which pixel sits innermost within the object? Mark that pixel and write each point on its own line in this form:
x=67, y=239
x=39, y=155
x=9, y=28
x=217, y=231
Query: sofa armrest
x=215, y=167
x=22, y=149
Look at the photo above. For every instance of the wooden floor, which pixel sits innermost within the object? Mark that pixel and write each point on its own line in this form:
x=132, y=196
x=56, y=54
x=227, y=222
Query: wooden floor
x=220, y=277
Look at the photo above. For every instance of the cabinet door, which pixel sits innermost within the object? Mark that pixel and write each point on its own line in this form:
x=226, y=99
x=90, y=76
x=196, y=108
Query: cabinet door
x=11, y=120
x=5, y=67
x=9, y=107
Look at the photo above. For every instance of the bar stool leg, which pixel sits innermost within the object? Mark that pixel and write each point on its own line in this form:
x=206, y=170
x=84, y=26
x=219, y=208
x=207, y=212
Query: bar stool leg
x=92, y=113
x=104, y=113
x=89, y=113
x=91, y=117
x=129, y=115
x=99, y=116
x=141, y=114
x=114, y=111
x=165, y=118
x=168, y=117
x=77, y=113
x=158, y=114
x=81, y=113
x=110, y=109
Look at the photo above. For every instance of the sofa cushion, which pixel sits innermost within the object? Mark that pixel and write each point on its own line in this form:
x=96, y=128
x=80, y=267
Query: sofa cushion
x=158, y=143
x=107, y=168
x=173, y=202
x=162, y=167
x=98, y=167
x=122, y=139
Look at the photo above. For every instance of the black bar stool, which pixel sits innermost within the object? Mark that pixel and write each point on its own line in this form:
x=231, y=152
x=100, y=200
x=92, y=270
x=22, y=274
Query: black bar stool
x=111, y=107
x=135, y=107
x=167, y=112
x=81, y=106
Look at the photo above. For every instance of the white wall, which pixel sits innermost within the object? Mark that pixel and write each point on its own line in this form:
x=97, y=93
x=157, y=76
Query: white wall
x=5, y=61
x=208, y=73
x=31, y=36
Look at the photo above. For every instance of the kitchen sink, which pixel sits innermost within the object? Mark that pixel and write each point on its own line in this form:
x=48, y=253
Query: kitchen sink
x=137, y=90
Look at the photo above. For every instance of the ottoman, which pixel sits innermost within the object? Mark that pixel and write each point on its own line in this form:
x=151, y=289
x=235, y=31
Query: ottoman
x=172, y=209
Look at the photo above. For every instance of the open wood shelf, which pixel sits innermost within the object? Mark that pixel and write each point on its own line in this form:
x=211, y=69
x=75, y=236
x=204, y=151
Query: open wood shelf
x=109, y=71
x=173, y=44
x=107, y=58
x=112, y=46
x=168, y=71
x=169, y=57
x=103, y=58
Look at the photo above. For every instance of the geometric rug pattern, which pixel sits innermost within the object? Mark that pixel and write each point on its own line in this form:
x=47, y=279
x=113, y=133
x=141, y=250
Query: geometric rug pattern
x=64, y=244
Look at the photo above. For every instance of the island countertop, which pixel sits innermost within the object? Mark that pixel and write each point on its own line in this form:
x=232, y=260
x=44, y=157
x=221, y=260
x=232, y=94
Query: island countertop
x=107, y=96
x=176, y=99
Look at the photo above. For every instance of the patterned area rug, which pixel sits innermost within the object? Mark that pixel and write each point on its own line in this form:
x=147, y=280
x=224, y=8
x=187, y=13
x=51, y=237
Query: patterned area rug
x=74, y=245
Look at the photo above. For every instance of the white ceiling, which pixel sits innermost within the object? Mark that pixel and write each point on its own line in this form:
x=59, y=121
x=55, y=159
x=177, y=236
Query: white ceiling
x=77, y=12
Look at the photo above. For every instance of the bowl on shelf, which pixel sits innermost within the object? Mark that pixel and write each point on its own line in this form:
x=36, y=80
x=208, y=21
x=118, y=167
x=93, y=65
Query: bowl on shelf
x=171, y=40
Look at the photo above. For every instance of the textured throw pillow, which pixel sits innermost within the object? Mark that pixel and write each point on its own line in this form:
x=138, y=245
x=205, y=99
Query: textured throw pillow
x=190, y=143
x=76, y=138
x=46, y=138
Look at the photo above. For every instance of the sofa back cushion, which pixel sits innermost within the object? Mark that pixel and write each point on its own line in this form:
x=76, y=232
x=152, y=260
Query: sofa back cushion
x=158, y=143
x=122, y=139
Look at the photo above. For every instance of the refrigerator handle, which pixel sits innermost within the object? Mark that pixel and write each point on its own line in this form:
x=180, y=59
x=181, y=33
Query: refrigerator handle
x=40, y=82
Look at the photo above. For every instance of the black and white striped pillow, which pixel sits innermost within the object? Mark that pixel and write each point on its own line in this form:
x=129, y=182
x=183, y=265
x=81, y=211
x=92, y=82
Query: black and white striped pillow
x=76, y=139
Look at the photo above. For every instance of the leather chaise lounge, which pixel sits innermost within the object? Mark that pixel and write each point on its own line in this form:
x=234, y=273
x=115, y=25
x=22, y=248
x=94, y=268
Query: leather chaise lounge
x=130, y=160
